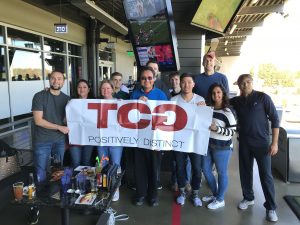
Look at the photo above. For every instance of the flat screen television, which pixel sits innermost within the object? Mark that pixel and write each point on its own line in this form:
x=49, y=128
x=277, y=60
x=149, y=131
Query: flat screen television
x=216, y=15
x=162, y=54
x=152, y=32
x=143, y=9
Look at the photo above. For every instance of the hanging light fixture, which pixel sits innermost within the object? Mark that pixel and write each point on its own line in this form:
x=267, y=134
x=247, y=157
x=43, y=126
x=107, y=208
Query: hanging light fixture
x=232, y=28
x=60, y=27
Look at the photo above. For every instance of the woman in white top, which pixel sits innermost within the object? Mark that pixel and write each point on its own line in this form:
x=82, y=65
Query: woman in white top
x=219, y=149
x=187, y=84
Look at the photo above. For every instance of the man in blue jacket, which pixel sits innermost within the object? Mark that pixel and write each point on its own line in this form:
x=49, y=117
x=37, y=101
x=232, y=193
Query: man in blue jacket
x=254, y=110
x=147, y=161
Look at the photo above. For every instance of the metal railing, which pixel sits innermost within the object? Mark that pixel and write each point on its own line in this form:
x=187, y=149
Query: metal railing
x=13, y=124
x=18, y=134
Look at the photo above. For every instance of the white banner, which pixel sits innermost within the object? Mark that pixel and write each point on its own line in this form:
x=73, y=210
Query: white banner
x=156, y=125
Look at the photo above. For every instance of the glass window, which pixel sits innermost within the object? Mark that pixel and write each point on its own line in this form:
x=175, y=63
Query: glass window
x=23, y=39
x=52, y=45
x=54, y=62
x=74, y=49
x=25, y=65
x=1, y=35
x=105, y=55
x=75, y=73
x=3, y=72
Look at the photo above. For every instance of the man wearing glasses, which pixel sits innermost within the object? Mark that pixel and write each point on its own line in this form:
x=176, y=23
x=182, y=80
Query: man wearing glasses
x=147, y=161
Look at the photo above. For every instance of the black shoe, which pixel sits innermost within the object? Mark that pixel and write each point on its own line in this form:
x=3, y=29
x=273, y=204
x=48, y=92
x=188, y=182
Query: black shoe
x=154, y=202
x=139, y=201
x=33, y=215
x=132, y=187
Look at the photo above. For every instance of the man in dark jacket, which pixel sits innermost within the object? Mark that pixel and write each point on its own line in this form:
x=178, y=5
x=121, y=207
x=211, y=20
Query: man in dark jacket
x=254, y=110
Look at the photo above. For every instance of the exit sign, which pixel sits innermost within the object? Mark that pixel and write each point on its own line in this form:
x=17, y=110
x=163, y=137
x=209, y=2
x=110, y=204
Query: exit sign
x=61, y=28
x=130, y=53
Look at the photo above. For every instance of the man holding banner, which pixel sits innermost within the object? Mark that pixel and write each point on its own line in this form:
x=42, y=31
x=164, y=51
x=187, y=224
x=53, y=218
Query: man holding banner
x=186, y=95
x=146, y=162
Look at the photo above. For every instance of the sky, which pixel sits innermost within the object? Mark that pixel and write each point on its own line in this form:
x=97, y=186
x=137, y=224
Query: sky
x=277, y=41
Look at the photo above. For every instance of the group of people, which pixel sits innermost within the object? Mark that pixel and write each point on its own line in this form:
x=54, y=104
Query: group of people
x=253, y=110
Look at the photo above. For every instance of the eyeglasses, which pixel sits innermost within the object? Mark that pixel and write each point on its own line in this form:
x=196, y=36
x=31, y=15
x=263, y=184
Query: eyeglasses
x=146, y=78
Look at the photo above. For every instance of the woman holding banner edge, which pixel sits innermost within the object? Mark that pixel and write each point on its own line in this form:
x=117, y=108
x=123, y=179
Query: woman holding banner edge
x=114, y=153
x=81, y=155
x=186, y=95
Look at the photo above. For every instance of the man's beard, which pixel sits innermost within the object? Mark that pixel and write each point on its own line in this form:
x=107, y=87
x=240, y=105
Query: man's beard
x=54, y=88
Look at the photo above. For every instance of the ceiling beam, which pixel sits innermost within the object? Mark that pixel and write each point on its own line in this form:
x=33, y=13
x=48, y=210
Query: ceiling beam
x=239, y=33
x=249, y=24
x=232, y=40
x=93, y=10
x=261, y=9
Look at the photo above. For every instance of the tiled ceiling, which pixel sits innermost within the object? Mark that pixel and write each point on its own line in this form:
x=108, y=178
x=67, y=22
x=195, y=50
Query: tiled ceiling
x=251, y=14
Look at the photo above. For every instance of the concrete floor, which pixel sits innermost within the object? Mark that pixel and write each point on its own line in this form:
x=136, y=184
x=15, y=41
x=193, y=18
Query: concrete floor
x=186, y=215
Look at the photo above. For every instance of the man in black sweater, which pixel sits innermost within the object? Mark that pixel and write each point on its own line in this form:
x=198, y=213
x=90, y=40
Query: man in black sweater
x=254, y=110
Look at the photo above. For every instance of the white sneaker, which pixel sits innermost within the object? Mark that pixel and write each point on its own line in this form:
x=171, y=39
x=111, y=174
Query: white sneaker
x=271, y=216
x=216, y=204
x=181, y=199
x=197, y=201
x=244, y=204
x=208, y=198
x=116, y=196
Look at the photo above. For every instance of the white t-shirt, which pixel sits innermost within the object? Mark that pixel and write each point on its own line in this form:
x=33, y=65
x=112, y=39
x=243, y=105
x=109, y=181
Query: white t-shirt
x=124, y=88
x=196, y=98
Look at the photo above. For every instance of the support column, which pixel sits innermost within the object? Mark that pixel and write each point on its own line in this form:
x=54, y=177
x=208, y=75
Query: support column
x=92, y=53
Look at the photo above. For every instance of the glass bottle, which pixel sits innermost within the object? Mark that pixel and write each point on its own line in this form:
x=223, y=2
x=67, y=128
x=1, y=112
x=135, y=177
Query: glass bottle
x=31, y=187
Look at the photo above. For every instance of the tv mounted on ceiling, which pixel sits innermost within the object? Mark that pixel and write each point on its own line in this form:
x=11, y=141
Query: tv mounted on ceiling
x=152, y=32
x=216, y=15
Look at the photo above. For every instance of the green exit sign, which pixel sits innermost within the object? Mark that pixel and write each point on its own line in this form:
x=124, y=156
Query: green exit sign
x=130, y=53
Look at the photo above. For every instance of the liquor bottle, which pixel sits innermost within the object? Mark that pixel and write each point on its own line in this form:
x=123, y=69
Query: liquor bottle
x=104, y=181
x=31, y=187
x=98, y=175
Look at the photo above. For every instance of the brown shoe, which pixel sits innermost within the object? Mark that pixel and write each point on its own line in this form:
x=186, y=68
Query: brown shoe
x=175, y=187
x=188, y=187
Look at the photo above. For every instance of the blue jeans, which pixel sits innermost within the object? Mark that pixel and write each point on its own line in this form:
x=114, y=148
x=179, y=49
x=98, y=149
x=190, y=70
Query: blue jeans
x=187, y=170
x=196, y=159
x=221, y=159
x=42, y=153
x=81, y=155
x=114, y=153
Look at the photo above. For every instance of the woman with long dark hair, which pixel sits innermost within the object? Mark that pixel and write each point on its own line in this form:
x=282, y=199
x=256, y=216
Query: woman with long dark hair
x=81, y=154
x=219, y=149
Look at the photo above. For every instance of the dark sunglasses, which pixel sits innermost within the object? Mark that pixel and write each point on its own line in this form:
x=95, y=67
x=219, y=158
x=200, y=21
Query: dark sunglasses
x=146, y=78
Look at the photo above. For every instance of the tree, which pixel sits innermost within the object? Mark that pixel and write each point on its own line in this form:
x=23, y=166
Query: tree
x=274, y=77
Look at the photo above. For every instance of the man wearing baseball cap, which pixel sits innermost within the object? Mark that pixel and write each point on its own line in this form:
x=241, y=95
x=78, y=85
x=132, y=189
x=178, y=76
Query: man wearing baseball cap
x=204, y=80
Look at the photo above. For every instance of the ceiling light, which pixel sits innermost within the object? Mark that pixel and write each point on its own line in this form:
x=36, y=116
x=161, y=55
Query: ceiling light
x=226, y=42
x=254, y=2
x=227, y=53
x=232, y=28
x=225, y=49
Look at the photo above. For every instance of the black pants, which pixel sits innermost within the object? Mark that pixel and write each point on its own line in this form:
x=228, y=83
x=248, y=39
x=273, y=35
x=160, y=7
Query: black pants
x=128, y=165
x=146, y=163
x=247, y=154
